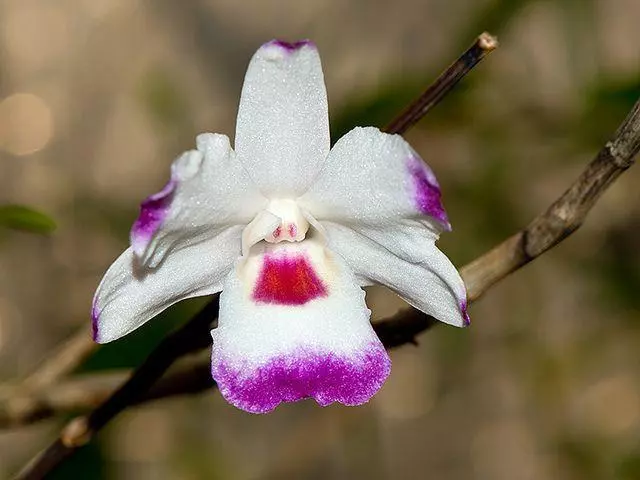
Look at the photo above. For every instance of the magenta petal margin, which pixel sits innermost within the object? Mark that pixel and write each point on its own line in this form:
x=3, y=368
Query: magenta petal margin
x=427, y=191
x=95, y=317
x=291, y=47
x=153, y=212
x=324, y=376
x=466, y=319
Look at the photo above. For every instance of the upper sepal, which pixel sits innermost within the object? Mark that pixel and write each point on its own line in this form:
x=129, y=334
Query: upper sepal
x=282, y=131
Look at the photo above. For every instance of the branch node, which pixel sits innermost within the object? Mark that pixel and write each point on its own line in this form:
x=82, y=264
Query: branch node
x=487, y=42
x=76, y=433
x=619, y=157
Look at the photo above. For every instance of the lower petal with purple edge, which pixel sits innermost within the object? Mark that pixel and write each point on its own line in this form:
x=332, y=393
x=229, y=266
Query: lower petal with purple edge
x=324, y=376
x=129, y=295
x=266, y=353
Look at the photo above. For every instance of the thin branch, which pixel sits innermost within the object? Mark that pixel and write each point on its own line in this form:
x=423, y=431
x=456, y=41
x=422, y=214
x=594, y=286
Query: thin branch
x=19, y=405
x=483, y=46
x=563, y=217
x=67, y=358
x=193, y=335
x=80, y=393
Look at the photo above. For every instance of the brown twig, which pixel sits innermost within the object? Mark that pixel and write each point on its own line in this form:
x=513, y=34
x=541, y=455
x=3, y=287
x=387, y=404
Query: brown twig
x=193, y=335
x=19, y=406
x=67, y=358
x=483, y=46
x=563, y=217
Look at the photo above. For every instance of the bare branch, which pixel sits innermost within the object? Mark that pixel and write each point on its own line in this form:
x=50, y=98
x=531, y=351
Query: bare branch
x=66, y=359
x=563, y=217
x=483, y=46
x=193, y=335
x=18, y=407
x=80, y=393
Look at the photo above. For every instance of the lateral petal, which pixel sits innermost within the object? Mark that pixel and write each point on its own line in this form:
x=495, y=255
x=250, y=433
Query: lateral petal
x=407, y=261
x=282, y=132
x=374, y=178
x=209, y=191
x=129, y=295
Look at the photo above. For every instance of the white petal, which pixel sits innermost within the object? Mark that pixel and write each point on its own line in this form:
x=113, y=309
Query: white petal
x=293, y=324
x=282, y=133
x=406, y=260
x=375, y=178
x=209, y=190
x=130, y=295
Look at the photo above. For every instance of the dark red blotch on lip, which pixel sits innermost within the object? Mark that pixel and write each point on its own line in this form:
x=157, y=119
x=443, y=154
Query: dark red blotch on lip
x=288, y=281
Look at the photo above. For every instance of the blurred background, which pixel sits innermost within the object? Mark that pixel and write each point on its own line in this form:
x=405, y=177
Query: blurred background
x=98, y=96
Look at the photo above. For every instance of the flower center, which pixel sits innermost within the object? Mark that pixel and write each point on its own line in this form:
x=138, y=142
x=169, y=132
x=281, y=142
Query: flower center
x=293, y=227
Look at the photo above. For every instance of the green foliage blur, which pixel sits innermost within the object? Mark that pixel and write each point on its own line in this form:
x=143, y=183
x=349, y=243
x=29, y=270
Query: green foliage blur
x=19, y=217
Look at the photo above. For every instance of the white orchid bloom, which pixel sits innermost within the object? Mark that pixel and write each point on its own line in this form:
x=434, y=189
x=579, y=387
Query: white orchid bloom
x=288, y=230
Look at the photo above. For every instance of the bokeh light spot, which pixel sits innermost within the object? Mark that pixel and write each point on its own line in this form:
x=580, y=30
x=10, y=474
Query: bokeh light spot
x=26, y=124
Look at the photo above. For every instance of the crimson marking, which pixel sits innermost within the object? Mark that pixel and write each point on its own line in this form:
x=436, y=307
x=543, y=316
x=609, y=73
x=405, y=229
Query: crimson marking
x=288, y=281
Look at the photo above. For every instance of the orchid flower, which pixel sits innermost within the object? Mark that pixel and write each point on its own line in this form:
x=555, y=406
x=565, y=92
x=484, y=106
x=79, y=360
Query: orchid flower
x=289, y=231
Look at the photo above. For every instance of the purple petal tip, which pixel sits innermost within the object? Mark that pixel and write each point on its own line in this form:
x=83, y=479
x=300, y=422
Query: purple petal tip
x=466, y=320
x=427, y=191
x=325, y=377
x=95, y=317
x=291, y=46
x=153, y=212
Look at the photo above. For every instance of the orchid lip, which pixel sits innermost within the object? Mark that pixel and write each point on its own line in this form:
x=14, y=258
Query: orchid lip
x=326, y=377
